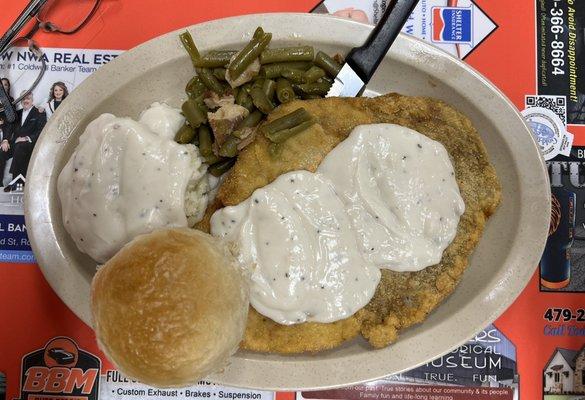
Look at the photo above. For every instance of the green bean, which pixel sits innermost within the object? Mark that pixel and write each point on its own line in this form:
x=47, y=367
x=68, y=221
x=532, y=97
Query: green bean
x=243, y=99
x=185, y=135
x=283, y=135
x=225, y=53
x=284, y=91
x=246, y=86
x=195, y=87
x=259, y=82
x=199, y=99
x=241, y=133
x=298, y=90
x=260, y=100
x=287, y=121
x=327, y=79
x=221, y=167
x=293, y=75
x=189, y=45
x=227, y=89
x=250, y=121
x=205, y=140
x=219, y=73
x=210, y=80
x=200, y=104
x=212, y=159
x=327, y=63
x=317, y=88
x=313, y=74
x=298, y=53
x=248, y=54
x=258, y=33
x=229, y=148
x=194, y=112
x=215, y=58
x=269, y=87
x=195, y=140
x=271, y=71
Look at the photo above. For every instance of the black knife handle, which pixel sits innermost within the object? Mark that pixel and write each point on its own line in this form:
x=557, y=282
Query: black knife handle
x=365, y=59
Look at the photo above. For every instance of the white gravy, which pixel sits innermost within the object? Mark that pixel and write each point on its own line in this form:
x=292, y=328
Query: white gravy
x=126, y=178
x=386, y=197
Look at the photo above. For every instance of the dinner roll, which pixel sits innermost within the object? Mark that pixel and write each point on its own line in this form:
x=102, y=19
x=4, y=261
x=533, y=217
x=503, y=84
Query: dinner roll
x=170, y=307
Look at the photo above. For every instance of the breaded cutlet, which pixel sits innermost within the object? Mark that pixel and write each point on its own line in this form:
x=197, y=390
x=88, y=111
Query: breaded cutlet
x=402, y=299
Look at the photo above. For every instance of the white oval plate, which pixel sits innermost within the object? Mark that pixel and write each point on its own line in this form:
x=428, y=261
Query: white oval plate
x=159, y=69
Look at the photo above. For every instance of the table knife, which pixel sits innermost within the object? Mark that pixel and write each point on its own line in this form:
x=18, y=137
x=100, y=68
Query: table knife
x=361, y=62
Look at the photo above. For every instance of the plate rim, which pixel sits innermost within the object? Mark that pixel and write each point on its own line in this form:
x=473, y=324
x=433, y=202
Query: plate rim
x=230, y=376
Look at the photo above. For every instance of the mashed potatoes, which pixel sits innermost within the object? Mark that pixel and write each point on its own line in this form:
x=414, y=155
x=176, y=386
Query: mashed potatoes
x=126, y=178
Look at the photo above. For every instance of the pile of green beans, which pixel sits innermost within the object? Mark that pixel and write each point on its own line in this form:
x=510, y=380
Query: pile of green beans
x=286, y=74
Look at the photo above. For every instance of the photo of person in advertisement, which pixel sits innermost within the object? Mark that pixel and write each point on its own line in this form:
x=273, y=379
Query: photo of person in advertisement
x=66, y=69
x=7, y=87
x=6, y=130
x=26, y=130
x=562, y=266
x=57, y=94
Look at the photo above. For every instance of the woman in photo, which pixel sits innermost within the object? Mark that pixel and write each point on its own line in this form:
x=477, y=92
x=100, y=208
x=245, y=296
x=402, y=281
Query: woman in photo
x=57, y=94
x=6, y=85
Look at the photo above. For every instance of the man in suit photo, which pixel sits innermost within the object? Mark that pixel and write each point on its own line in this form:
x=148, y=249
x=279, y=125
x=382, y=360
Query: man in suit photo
x=27, y=128
x=6, y=130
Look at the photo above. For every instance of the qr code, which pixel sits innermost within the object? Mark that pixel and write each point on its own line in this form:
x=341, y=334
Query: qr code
x=557, y=104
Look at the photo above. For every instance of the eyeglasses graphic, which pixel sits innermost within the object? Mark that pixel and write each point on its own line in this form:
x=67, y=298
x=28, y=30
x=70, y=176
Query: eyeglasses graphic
x=53, y=16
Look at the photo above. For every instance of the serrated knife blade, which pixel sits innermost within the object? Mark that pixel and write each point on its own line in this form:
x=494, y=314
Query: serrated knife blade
x=361, y=62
